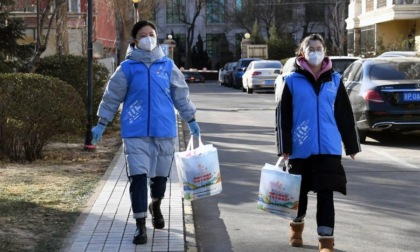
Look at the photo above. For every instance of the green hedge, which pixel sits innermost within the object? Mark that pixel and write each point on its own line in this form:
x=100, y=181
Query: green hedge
x=73, y=70
x=33, y=109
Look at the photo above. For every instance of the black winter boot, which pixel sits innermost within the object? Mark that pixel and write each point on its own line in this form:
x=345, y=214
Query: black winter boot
x=157, y=220
x=140, y=237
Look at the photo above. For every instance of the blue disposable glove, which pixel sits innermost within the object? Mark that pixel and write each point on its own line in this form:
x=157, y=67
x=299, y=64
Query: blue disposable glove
x=97, y=133
x=194, y=128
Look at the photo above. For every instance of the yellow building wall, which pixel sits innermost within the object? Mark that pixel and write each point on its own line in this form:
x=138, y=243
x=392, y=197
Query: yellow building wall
x=417, y=35
x=394, y=33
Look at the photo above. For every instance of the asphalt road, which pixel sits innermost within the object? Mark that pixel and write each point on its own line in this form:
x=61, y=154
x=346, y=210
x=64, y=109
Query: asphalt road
x=380, y=213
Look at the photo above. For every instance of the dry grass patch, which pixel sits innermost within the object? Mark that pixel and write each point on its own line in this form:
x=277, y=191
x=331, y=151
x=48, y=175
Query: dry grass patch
x=40, y=201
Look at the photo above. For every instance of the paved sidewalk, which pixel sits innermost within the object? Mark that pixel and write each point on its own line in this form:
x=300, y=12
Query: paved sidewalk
x=107, y=224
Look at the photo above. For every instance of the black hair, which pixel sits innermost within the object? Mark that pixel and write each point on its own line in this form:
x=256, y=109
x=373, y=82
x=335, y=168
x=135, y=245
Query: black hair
x=141, y=24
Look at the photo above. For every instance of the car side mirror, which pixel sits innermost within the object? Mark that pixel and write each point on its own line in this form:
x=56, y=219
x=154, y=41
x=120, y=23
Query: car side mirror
x=277, y=71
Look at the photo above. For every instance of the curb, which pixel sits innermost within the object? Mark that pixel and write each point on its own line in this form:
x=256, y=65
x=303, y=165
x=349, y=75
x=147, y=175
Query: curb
x=190, y=241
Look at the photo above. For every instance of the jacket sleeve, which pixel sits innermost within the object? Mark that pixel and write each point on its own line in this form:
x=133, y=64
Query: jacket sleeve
x=345, y=121
x=180, y=95
x=114, y=95
x=284, y=121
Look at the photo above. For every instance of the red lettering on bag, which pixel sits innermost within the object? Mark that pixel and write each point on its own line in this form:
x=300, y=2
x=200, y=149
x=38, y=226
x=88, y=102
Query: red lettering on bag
x=202, y=178
x=278, y=196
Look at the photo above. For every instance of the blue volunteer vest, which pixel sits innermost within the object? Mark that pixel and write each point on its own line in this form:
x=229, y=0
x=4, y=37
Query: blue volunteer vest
x=148, y=109
x=314, y=127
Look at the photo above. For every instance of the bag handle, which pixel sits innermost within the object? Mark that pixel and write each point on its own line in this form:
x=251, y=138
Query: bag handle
x=279, y=161
x=190, y=145
x=283, y=164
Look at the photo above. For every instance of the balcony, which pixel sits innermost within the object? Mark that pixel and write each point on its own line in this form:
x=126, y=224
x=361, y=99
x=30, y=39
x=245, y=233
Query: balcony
x=402, y=2
x=384, y=11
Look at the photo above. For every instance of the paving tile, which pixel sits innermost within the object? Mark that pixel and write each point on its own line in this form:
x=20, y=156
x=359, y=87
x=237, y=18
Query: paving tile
x=109, y=225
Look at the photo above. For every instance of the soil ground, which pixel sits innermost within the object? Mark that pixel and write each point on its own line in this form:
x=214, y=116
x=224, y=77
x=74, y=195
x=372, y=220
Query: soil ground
x=40, y=201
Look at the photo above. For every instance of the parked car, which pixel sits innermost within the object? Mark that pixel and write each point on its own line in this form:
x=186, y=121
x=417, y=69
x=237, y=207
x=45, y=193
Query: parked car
x=260, y=75
x=239, y=69
x=229, y=74
x=287, y=68
x=400, y=54
x=384, y=94
x=193, y=77
x=340, y=63
x=222, y=73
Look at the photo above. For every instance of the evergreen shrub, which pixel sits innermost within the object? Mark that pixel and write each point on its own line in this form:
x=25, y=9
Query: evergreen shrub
x=73, y=70
x=33, y=109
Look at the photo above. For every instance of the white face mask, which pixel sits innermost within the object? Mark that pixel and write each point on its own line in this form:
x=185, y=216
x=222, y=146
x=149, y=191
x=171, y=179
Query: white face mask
x=314, y=58
x=147, y=43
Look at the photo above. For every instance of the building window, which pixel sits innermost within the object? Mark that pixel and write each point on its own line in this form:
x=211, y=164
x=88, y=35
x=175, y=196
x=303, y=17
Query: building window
x=350, y=41
x=215, y=11
x=381, y=3
x=73, y=6
x=212, y=43
x=180, y=50
x=239, y=4
x=369, y=5
x=175, y=10
x=367, y=37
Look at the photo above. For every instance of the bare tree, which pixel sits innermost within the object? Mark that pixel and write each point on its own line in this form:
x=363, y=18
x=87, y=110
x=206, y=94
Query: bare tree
x=41, y=40
x=244, y=15
x=125, y=19
x=124, y=13
x=62, y=37
x=189, y=19
x=268, y=13
x=335, y=21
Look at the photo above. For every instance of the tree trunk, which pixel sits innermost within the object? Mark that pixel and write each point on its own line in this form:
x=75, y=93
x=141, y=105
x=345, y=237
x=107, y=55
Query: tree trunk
x=62, y=37
x=42, y=41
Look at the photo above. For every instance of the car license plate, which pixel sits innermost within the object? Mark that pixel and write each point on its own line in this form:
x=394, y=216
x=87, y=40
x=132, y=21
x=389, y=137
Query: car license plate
x=411, y=96
x=269, y=82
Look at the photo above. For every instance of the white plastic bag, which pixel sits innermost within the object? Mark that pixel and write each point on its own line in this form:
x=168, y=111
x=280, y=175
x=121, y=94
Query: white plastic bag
x=279, y=191
x=198, y=170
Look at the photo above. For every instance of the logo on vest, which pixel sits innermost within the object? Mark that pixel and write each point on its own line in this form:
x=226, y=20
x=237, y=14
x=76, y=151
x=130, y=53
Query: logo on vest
x=161, y=73
x=302, y=133
x=134, y=112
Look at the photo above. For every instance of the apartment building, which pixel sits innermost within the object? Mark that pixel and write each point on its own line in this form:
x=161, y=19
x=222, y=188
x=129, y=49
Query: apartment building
x=104, y=25
x=216, y=22
x=222, y=31
x=377, y=25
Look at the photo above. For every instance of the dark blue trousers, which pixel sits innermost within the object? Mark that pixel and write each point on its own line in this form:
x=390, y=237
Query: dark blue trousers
x=138, y=193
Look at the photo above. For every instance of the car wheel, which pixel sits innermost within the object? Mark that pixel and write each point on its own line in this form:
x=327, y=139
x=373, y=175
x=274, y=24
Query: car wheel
x=238, y=84
x=250, y=90
x=362, y=135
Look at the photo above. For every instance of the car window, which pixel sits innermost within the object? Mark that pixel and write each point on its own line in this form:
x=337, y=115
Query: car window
x=386, y=71
x=358, y=72
x=347, y=73
x=341, y=64
x=245, y=63
x=396, y=71
x=353, y=72
x=266, y=64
